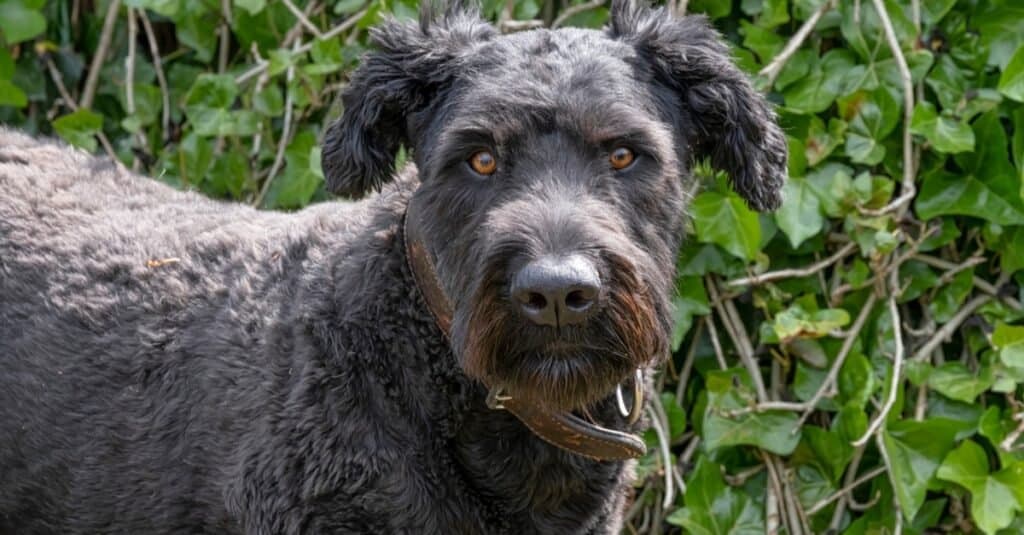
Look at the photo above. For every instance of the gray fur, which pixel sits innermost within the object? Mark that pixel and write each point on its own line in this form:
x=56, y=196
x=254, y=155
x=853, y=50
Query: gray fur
x=172, y=364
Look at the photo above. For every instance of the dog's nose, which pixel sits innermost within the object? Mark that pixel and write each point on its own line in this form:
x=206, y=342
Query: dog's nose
x=556, y=291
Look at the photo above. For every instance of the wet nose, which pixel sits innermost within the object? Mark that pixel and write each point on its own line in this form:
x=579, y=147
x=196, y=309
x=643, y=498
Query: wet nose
x=556, y=291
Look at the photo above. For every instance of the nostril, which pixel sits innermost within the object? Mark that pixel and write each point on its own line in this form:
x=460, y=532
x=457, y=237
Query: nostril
x=578, y=299
x=536, y=301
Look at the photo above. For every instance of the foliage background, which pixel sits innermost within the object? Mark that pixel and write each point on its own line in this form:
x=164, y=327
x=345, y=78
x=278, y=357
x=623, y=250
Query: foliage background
x=850, y=363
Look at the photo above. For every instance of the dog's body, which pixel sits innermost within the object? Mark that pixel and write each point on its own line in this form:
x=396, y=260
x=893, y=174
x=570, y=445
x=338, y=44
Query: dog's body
x=170, y=364
x=173, y=364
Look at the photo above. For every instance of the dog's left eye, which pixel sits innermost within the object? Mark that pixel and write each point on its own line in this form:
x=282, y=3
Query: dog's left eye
x=483, y=162
x=621, y=158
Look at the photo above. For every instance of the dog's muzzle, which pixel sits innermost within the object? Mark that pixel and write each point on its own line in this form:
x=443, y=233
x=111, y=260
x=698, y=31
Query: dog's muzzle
x=564, y=430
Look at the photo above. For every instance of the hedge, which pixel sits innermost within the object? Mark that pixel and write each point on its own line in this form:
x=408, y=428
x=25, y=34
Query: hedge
x=849, y=364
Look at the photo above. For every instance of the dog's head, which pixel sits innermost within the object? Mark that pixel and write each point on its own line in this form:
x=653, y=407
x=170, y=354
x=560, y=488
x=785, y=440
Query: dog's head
x=553, y=166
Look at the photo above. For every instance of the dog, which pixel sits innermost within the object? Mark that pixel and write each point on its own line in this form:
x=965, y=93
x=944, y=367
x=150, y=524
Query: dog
x=447, y=355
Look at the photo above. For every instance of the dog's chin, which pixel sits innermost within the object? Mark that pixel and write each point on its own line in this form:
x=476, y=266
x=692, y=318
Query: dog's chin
x=562, y=377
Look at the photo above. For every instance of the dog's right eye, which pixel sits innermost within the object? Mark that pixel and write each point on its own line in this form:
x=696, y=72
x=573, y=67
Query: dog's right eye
x=483, y=162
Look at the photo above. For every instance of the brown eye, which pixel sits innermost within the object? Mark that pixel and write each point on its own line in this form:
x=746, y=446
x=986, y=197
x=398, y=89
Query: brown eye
x=621, y=158
x=483, y=162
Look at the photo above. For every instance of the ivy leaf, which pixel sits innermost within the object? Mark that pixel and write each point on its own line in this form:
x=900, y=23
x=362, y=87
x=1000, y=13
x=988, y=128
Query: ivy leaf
x=955, y=381
x=726, y=221
x=1011, y=82
x=690, y=300
x=80, y=128
x=818, y=91
x=871, y=117
x=302, y=175
x=21, y=20
x=1009, y=339
x=995, y=498
x=768, y=430
x=800, y=215
x=945, y=134
x=1001, y=28
x=916, y=450
x=795, y=322
x=714, y=509
x=252, y=6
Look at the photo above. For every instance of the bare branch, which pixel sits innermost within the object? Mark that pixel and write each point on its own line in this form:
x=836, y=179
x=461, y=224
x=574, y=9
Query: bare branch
x=846, y=489
x=844, y=351
x=575, y=10
x=909, y=171
x=979, y=283
x=795, y=272
x=93, y=78
x=771, y=71
x=303, y=19
x=950, y=327
x=285, y=134
x=897, y=374
x=158, y=65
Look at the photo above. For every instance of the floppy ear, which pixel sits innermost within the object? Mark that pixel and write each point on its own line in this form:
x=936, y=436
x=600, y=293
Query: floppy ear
x=411, y=66
x=735, y=125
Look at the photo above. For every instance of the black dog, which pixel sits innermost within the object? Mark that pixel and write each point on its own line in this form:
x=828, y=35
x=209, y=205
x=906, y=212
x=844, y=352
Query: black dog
x=170, y=364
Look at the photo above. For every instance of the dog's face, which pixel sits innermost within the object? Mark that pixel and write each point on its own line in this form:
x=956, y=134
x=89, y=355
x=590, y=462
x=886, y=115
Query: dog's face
x=553, y=168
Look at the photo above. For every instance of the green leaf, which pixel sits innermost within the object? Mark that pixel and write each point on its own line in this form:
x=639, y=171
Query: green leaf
x=818, y=91
x=795, y=322
x=871, y=117
x=21, y=20
x=1001, y=28
x=302, y=176
x=768, y=430
x=726, y=221
x=915, y=450
x=955, y=381
x=1009, y=339
x=690, y=300
x=12, y=95
x=79, y=128
x=944, y=133
x=715, y=509
x=946, y=193
x=252, y=6
x=800, y=215
x=1011, y=82
x=995, y=498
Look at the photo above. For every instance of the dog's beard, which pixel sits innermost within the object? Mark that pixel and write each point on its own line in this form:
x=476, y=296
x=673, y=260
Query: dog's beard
x=570, y=367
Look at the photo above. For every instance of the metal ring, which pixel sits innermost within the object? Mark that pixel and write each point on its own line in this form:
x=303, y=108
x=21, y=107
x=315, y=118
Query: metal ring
x=632, y=414
x=496, y=398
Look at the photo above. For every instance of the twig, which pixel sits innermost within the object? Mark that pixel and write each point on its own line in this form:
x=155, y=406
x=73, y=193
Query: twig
x=844, y=351
x=716, y=343
x=1007, y=443
x=285, y=134
x=691, y=353
x=795, y=272
x=129, y=79
x=331, y=34
x=950, y=327
x=979, y=283
x=666, y=455
x=909, y=171
x=303, y=19
x=774, y=68
x=846, y=489
x=575, y=10
x=897, y=375
x=73, y=106
x=225, y=35
x=158, y=65
x=93, y=78
x=739, y=337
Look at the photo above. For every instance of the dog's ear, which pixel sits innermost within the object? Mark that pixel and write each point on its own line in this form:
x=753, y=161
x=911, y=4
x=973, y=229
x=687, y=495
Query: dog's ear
x=735, y=125
x=411, y=65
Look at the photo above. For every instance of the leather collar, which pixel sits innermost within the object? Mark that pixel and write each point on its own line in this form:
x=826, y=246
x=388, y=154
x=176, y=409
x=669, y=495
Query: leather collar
x=563, y=430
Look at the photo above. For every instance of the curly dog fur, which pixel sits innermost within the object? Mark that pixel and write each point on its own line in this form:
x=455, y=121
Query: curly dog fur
x=173, y=364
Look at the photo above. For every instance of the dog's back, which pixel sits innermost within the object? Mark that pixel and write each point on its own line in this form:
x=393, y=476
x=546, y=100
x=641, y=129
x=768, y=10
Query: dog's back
x=132, y=323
